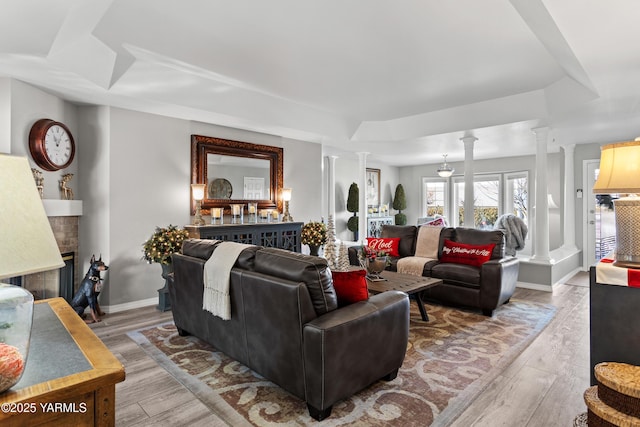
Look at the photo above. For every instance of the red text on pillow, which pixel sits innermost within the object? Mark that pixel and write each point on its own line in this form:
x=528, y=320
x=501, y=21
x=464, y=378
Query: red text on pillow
x=463, y=253
x=389, y=245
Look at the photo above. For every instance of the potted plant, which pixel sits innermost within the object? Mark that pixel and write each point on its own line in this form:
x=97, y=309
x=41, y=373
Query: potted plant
x=400, y=203
x=352, y=206
x=158, y=249
x=314, y=234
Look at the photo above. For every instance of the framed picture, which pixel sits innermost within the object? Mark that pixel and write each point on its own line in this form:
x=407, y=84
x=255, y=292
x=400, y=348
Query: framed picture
x=373, y=187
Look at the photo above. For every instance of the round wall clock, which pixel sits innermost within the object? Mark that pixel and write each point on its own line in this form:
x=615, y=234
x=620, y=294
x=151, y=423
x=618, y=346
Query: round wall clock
x=220, y=188
x=51, y=145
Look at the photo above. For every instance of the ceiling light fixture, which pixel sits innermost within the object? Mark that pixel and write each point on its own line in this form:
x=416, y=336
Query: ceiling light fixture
x=445, y=170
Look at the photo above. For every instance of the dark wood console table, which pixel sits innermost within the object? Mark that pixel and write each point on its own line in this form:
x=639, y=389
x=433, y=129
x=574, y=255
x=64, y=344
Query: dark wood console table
x=70, y=377
x=614, y=318
x=283, y=235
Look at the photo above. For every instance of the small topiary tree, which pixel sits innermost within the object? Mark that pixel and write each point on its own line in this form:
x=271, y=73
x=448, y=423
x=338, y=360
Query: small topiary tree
x=400, y=203
x=353, y=203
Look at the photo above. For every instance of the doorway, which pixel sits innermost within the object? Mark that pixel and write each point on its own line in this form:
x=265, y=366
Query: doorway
x=600, y=226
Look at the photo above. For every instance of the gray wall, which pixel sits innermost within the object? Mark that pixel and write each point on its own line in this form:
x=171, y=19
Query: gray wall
x=132, y=171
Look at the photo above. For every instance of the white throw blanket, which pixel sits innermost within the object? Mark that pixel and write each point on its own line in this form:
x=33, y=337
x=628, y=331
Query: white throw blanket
x=426, y=250
x=217, y=275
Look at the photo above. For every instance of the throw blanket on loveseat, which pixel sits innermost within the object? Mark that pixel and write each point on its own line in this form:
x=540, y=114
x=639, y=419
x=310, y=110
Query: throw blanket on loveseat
x=217, y=271
x=426, y=250
x=515, y=232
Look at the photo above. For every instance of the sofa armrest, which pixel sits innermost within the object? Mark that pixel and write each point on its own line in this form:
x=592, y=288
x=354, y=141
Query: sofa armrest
x=354, y=346
x=498, y=280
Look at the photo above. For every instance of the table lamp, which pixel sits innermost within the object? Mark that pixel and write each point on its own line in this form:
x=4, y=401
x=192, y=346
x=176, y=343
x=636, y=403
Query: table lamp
x=620, y=173
x=27, y=246
x=197, y=191
x=286, y=197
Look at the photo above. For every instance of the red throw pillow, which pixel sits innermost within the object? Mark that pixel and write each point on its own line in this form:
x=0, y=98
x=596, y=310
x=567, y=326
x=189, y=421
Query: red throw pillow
x=463, y=253
x=388, y=244
x=350, y=286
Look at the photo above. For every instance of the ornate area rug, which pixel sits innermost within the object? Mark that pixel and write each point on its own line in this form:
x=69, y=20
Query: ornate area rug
x=449, y=361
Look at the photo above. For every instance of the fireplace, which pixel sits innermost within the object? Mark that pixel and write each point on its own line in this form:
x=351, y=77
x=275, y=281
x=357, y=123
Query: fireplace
x=67, y=277
x=62, y=282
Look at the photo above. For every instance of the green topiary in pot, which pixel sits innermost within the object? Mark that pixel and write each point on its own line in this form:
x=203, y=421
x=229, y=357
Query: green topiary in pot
x=400, y=203
x=352, y=206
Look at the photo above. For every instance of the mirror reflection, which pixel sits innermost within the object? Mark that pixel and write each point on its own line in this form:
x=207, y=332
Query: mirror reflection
x=238, y=178
x=236, y=171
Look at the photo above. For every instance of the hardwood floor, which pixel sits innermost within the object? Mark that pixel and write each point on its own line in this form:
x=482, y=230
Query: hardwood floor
x=542, y=387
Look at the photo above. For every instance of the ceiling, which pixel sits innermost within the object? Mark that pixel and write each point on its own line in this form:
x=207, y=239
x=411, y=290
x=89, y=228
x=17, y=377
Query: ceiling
x=403, y=81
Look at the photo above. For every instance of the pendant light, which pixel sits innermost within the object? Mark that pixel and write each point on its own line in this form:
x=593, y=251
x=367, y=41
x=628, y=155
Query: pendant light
x=445, y=170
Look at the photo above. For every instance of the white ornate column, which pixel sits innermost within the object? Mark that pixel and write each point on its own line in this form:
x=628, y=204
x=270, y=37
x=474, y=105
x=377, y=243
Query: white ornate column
x=541, y=235
x=362, y=196
x=469, y=207
x=569, y=197
x=331, y=191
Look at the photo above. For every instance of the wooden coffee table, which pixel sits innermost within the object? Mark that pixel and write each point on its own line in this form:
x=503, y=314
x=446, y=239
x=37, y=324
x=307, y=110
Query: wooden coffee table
x=409, y=284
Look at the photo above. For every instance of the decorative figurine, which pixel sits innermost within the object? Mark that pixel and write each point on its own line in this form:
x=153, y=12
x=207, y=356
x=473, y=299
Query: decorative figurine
x=37, y=176
x=89, y=290
x=66, y=193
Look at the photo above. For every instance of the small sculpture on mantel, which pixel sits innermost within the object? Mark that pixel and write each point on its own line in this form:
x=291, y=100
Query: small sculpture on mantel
x=37, y=176
x=66, y=193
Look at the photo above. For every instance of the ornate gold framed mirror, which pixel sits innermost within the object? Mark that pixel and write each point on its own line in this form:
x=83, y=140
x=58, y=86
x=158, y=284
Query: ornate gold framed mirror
x=236, y=172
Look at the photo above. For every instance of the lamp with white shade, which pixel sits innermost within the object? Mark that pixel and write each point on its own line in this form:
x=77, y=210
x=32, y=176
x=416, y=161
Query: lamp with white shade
x=27, y=246
x=620, y=173
x=286, y=197
x=197, y=191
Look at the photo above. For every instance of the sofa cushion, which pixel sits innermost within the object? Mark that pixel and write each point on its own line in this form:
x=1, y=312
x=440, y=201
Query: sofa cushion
x=407, y=235
x=482, y=237
x=350, y=286
x=199, y=248
x=311, y=270
x=463, y=253
x=459, y=274
x=390, y=245
x=203, y=248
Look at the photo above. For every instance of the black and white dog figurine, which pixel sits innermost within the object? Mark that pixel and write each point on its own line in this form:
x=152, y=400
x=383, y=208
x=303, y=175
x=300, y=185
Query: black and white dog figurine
x=89, y=290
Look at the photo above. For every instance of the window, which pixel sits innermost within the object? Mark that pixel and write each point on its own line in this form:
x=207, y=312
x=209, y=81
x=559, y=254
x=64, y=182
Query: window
x=517, y=195
x=434, y=197
x=486, y=202
x=494, y=195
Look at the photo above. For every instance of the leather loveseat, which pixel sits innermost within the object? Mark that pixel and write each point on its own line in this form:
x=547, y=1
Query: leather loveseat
x=485, y=287
x=286, y=325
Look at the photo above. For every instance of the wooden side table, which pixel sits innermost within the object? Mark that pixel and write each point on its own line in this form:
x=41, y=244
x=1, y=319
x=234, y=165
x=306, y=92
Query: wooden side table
x=70, y=375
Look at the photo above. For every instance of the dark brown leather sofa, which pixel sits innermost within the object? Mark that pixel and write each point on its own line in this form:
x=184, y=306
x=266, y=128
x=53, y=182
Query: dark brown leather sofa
x=286, y=325
x=485, y=287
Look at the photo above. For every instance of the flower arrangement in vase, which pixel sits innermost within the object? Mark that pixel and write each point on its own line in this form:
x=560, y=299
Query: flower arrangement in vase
x=374, y=261
x=314, y=234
